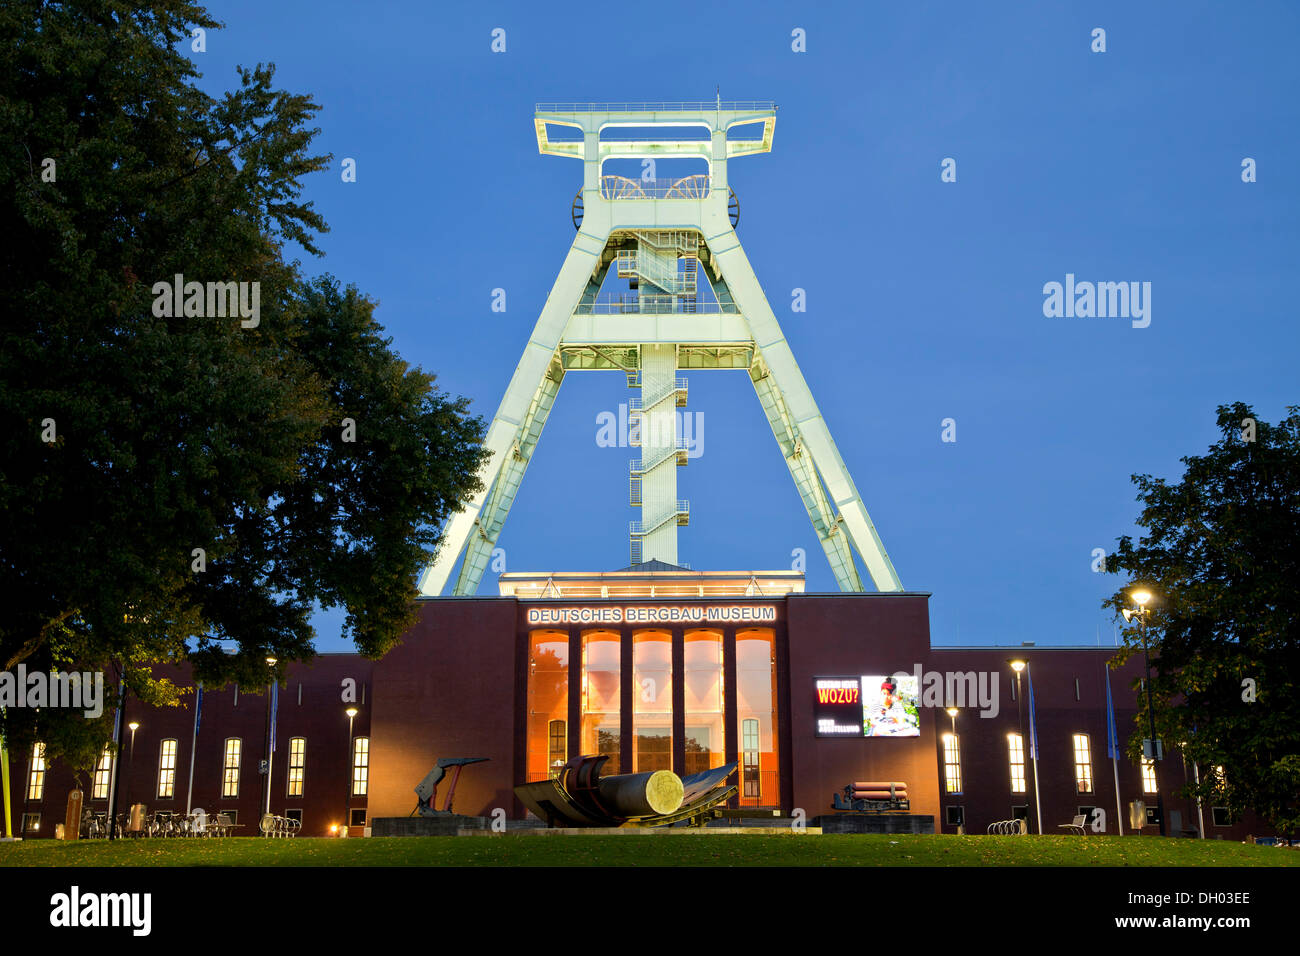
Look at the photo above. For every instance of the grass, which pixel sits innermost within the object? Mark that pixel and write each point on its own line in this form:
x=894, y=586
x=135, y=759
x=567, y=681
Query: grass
x=649, y=851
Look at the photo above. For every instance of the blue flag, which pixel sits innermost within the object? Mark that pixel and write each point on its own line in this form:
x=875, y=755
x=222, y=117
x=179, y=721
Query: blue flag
x=1033, y=732
x=1112, y=738
x=275, y=705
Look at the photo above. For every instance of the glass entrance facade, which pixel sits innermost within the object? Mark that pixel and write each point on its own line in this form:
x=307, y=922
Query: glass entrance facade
x=663, y=695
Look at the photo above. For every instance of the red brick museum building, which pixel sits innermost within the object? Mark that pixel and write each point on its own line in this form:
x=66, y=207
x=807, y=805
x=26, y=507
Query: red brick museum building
x=661, y=668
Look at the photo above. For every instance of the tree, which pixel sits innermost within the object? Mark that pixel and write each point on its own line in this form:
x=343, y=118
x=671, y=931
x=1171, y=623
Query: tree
x=1222, y=557
x=176, y=478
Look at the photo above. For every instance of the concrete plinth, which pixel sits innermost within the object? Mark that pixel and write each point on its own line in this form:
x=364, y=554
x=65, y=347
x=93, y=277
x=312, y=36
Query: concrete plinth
x=875, y=823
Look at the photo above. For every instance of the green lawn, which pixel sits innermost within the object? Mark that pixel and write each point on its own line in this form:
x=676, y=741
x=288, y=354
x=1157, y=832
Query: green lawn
x=722, y=850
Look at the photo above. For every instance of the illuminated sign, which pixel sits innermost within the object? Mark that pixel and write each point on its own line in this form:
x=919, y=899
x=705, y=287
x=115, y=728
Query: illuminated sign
x=838, y=711
x=871, y=706
x=670, y=614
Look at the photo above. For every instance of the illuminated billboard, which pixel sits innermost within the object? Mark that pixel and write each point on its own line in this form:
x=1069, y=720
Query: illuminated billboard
x=874, y=705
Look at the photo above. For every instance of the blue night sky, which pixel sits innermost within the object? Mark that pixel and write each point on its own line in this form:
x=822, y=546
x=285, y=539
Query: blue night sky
x=924, y=298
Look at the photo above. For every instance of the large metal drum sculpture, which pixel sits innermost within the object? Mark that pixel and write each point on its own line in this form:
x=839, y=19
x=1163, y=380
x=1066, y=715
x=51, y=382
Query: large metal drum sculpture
x=579, y=797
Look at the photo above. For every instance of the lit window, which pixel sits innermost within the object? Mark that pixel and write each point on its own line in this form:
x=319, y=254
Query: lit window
x=703, y=697
x=1148, y=775
x=230, y=768
x=103, y=774
x=652, y=710
x=36, y=779
x=601, y=698
x=952, y=762
x=360, y=766
x=1016, y=749
x=1082, y=763
x=167, y=769
x=557, y=747
x=755, y=693
x=548, y=700
x=750, y=769
x=297, y=761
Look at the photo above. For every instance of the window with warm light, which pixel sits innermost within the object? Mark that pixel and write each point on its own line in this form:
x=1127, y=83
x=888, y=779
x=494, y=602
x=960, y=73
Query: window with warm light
x=230, y=767
x=360, y=766
x=1148, y=775
x=702, y=662
x=297, y=765
x=749, y=768
x=167, y=769
x=1016, y=752
x=952, y=762
x=652, y=695
x=756, y=702
x=103, y=774
x=548, y=701
x=36, y=776
x=601, y=697
x=1082, y=763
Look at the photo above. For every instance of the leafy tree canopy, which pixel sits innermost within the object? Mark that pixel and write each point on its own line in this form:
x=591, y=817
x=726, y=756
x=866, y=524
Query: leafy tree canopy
x=305, y=459
x=1222, y=558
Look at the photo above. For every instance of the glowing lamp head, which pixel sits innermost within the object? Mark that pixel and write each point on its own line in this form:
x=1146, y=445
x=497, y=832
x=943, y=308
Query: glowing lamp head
x=334, y=828
x=351, y=712
x=1017, y=666
x=952, y=711
x=270, y=661
x=134, y=725
x=1142, y=597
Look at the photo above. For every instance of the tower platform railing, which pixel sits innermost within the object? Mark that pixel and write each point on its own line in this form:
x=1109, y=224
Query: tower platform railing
x=660, y=107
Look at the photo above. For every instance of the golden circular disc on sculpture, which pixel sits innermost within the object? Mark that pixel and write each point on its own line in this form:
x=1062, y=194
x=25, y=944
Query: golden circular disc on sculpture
x=664, y=791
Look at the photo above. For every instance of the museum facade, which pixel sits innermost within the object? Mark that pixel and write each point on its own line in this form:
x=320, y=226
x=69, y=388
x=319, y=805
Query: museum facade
x=659, y=668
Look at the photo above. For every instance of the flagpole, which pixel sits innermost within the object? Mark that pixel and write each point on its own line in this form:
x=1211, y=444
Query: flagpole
x=1112, y=744
x=194, y=745
x=1033, y=748
x=4, y=784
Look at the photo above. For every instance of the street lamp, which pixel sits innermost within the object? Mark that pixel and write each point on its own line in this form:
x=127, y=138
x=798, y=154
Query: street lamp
x=1018, y=666
x=347, y=805
x=134, y=726
x=1142, y=597
x=270, y=663
x=952, y=713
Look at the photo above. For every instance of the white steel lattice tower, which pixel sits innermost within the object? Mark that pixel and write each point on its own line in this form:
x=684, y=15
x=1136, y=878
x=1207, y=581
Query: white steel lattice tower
x=693, y=302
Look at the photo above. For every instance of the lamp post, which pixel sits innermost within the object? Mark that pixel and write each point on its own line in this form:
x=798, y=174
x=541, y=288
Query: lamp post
x=130, y=759
x=1018, y=666
x=952, y=713
x=1142, y=598
x=347, y=804
x=270, y=663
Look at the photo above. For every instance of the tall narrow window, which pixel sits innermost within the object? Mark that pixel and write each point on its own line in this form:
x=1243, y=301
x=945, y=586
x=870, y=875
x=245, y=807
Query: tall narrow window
x=952, y=762
x=360, y=766
x=702, y=661
x=652, y=691
x=601, y=671
x=557, y=748
x=36, y=777
x=1016, y=751
x=548, y=699
x=103, y=774
x=1082, y=763
x=749, y=740
x=167, y=769
x=230, y=767
x=297, y=763
x=1148, y=775
x=756, y=701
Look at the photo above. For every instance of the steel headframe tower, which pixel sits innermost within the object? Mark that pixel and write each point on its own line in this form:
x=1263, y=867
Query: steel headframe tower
x=657, y=233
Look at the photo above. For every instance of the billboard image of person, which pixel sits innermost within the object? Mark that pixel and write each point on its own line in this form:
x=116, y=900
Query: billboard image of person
x=889, y=706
